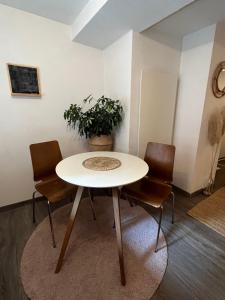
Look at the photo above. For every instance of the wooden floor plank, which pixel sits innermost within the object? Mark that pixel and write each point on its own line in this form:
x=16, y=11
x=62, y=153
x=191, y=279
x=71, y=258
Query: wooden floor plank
x=196, y=265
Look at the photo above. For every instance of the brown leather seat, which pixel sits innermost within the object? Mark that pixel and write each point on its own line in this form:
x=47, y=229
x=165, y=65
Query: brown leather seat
x=150, y=192
x=155, y=188
x=45, y=156
x=55, y=189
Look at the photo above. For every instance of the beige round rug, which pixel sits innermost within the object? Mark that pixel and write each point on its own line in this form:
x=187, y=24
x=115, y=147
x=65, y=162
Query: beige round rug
x=91, y=269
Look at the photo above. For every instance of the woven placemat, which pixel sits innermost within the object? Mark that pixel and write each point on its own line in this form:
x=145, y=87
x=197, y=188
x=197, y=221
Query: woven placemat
x=101, y=163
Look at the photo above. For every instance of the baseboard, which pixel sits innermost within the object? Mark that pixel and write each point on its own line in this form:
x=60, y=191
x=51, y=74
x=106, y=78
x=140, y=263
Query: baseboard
x=26, y=202
x=19, y=204
x=196, y=193
x=186, y=194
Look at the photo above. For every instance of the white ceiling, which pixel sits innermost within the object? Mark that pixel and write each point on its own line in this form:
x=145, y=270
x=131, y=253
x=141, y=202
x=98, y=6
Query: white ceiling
x=171, y=17
x=117, y=17
x=200, y=14
x=64, y=11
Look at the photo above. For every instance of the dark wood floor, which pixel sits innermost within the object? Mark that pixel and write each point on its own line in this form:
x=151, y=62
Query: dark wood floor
x=196, y=265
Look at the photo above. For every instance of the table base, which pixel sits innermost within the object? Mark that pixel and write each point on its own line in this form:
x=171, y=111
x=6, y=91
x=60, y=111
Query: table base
x=116, y=208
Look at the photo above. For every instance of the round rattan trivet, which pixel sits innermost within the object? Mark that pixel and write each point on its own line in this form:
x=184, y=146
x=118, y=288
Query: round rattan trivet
x=101, y=163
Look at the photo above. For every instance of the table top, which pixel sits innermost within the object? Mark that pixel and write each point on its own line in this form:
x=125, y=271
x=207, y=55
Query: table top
x=132, y=169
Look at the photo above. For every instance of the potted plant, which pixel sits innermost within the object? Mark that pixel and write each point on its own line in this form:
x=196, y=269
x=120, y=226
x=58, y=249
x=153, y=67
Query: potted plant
x=96, y=123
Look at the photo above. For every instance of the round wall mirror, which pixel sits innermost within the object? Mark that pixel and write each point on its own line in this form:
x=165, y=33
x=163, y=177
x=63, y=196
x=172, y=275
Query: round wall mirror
x=218, y=84
x=221, y=80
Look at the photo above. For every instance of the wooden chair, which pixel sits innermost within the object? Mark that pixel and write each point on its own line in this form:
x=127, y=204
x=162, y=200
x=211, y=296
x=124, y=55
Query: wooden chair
x=45, y=156
x=160, y=158
x=156, y=187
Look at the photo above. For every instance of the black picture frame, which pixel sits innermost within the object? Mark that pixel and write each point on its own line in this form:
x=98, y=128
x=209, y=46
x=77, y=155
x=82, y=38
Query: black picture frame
x=24, y=80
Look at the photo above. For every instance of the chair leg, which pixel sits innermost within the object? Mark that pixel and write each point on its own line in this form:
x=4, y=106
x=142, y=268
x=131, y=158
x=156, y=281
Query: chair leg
x=128, y=199
x=51, y=225
x=173, y=202
x=159, y=226
x=131, y=203
x=33, y=207
x=91, y=197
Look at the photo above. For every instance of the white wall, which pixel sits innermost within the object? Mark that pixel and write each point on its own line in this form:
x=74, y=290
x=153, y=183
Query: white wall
x=117, y=83
x=194, y=71
x=204, y=154
x=68, y=73
x=157, y=107
x=124, y=62
x=152, y=52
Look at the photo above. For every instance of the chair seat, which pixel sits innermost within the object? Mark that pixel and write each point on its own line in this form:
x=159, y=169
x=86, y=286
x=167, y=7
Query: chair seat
x=150, y=192
x=55, y=189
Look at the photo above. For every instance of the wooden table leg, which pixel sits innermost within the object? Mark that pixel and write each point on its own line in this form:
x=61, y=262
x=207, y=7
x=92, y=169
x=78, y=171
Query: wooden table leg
x=116, y=207
x=69, y=228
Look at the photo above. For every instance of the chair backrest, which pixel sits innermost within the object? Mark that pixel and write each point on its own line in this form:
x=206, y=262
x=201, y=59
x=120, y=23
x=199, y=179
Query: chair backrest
x=45, y=156
x=160, y=158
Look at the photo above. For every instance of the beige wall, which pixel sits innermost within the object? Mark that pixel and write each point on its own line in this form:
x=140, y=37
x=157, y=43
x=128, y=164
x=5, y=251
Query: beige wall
x=68, y=73
x=194, y=71
x=204, y=154
x=152, y=51
x=117, y=83
x=124, y=62
x=157, y=107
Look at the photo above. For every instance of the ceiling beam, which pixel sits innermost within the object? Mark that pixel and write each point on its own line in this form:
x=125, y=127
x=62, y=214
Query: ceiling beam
x=86, y=15
x=102, y=22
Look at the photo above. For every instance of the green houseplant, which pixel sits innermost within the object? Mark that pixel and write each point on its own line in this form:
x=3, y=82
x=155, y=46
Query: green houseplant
x=98, y=122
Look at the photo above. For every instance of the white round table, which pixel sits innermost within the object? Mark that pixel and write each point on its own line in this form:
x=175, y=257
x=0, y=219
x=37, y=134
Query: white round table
x=72, y=170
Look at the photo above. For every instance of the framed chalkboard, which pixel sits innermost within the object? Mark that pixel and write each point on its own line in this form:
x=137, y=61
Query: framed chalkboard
x=24, y=80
